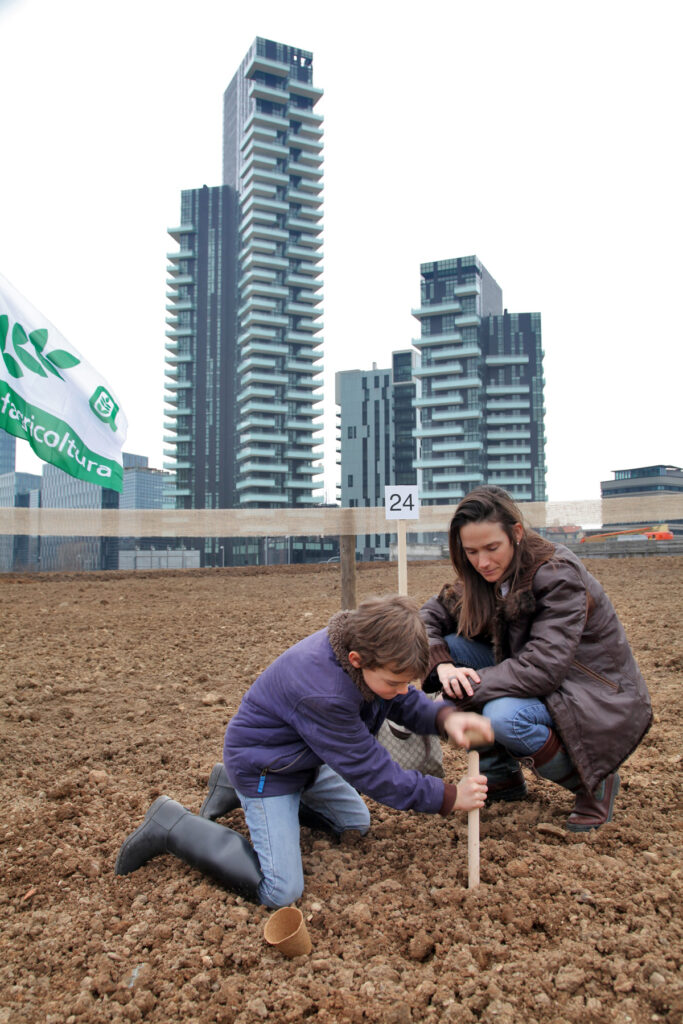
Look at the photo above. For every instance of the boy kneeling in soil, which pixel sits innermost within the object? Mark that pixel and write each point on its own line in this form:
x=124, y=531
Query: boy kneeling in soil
x=302, y=747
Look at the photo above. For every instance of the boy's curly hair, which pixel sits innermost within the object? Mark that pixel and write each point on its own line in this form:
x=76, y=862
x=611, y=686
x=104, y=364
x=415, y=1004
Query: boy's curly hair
x=387, y=632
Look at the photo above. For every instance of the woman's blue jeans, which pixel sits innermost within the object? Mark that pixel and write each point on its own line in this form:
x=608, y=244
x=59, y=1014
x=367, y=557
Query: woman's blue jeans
x=521, y=725
x=273, y=823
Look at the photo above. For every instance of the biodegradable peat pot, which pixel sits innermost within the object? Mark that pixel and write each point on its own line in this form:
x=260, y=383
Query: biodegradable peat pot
x=286, y=930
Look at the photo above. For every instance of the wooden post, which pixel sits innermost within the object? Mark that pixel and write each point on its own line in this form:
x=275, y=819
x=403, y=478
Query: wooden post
x=473, y=828
x=347, y=564
x=402, y=557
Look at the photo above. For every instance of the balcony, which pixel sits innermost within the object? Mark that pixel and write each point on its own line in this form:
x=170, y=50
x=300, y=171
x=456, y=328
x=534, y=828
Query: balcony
x=255, y=481
x=508, y=435
x=254, y=392
x=261, y=453
x=263, y=259
x=505, y=360
x=263, y=467
x=184, y=229
x=507, y=403
x=474, y=288
x=260, y=91
x=305, y=309
x=254, y=405
x=182, y=254
x=313, y=354
x=256, y=362
x=508, y=450
x=437, y=370
x=261, y=498
x=304, y=89
x=436, y=431
x=263, y=377
x=437, y=309
x=427, y=340
x=269, y=66
x=460, y=414
x=307, y=199
x=300, y=395
x=437, y=463
x=507, y=389
x=253, y=436
x=256, y=343
x=269, y=319
x=493, y=420
x=432, y=401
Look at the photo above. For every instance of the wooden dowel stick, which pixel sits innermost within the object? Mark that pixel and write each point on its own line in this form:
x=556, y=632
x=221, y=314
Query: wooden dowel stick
x=347, y=565
x=473, y=828
x=402, y=552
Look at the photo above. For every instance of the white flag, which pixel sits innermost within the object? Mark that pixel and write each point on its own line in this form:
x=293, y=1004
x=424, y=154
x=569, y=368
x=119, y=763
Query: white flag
x=54, y=399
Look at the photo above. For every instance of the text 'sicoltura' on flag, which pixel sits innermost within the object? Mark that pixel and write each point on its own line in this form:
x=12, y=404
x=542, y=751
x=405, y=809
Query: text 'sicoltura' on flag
x=54, y=399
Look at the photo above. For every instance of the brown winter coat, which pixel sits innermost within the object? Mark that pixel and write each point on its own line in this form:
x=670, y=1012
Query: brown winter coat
x=557, y=637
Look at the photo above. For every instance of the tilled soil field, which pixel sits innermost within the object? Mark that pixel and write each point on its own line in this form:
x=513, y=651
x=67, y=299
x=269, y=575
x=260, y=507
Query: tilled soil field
x=116, y=688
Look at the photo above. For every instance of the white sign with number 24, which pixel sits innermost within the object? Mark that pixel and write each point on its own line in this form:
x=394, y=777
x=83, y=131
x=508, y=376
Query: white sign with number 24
x=401, y=503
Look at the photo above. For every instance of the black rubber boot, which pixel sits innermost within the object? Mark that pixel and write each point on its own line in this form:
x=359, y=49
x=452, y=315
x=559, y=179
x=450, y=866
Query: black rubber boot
x=221, y=798
x=213, y=849
x=503, y=774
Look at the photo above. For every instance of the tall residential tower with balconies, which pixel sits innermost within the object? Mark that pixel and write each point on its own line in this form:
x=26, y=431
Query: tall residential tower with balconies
x=479, y=394
x=244, y=356
x=272, y=157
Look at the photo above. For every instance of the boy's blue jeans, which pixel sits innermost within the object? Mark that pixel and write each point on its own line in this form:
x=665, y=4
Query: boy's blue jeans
x=521, y=725
x=273, y=823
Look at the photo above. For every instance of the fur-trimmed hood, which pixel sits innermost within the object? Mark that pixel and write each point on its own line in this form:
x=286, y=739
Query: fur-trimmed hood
x=336, y=632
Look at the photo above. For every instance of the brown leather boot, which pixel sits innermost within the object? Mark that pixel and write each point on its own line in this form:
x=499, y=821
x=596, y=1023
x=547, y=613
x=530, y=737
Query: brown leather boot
x=592, y=810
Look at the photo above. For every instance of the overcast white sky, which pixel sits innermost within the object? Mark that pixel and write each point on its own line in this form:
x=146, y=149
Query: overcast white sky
x=544, y=137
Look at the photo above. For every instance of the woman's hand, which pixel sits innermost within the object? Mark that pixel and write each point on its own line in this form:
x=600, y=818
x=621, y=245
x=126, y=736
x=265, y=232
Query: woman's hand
x=456, y=681
x=465, y=728
x=472, y=791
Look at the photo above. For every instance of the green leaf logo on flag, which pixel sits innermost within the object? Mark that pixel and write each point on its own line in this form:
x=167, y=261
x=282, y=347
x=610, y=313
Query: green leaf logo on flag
x=42, y=360
x=104, y=407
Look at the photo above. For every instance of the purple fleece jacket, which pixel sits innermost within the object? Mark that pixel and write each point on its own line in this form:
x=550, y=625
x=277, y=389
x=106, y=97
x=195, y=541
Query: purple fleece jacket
x=303, y=711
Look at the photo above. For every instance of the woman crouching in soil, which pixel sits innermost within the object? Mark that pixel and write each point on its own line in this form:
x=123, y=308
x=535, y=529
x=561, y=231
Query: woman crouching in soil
x=302, y=747
x=529, y=637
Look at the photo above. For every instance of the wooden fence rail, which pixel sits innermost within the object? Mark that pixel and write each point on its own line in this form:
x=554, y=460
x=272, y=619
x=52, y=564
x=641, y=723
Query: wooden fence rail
x=317, y=521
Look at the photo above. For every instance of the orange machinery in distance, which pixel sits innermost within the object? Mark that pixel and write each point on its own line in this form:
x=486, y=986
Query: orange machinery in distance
x=661, y=532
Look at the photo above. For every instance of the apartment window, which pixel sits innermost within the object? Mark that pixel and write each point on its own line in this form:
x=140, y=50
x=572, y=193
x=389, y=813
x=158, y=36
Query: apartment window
x=349, y=480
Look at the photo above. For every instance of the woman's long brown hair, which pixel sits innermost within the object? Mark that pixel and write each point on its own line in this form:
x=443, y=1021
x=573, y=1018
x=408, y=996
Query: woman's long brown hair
x=477, y=602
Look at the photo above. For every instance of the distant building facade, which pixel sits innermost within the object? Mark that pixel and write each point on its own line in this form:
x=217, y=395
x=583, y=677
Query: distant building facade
x=80, y=554
x=8, y=447
x=376, y=421
x=479, y=401
x=641, y=481
x=19, y=553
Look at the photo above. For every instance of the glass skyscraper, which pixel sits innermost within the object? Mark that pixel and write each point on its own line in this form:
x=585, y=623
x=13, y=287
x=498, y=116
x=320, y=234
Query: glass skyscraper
x=244, y=371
